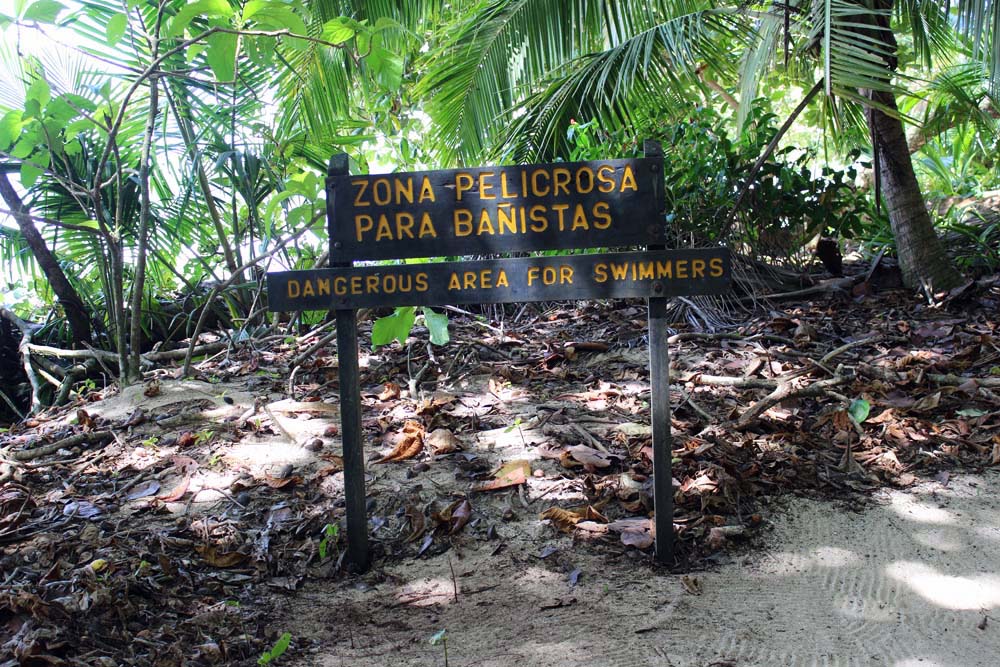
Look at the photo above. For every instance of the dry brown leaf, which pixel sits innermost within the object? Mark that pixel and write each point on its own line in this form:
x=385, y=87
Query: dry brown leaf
x=927, y=402
x=220, y=559
x=512, y=473
x=416, y=518
x=442, y=441
x=640, y=539
x=564, y=520
x=411, y=443
x=282, y=482
x=178, y=491
x=390, y=392
x=585, y=456
x=454, y=517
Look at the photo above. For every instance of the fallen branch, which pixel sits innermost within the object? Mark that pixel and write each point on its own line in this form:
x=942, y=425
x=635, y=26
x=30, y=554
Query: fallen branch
x=90, y=437
x=785, y=391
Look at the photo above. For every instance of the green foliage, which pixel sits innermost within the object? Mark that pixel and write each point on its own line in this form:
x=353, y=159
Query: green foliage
x=398, y=325
x=330, y=533
x=789, y=202
x=276, y=651
x=858, y=410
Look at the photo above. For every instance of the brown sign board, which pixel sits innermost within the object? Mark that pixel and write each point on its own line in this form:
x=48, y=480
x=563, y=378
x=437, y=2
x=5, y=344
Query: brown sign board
x=602, y=204
x=493, y=210
x=656, y=273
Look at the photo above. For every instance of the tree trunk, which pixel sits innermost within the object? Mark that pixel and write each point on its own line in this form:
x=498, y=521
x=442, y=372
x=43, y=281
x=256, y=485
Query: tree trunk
x=921, y=254
x=922, y=257
x=76, y=312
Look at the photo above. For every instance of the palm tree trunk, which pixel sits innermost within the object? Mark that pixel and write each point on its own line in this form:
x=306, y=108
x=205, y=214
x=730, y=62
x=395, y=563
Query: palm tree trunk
x=921, y=254
x=76, y=312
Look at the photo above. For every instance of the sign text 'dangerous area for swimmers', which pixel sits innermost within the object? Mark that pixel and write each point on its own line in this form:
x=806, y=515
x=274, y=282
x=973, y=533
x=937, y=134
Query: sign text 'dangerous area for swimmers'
x=554, y=278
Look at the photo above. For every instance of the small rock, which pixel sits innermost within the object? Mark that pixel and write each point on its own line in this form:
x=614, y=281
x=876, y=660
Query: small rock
x=314, y=445
x=284, y=471
x=243, y=498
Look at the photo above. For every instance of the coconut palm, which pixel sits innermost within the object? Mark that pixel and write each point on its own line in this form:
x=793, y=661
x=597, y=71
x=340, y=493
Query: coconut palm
x=512, y=73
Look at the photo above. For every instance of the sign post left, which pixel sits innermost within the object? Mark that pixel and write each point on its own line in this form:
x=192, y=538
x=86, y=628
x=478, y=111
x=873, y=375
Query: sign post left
x=350, y=405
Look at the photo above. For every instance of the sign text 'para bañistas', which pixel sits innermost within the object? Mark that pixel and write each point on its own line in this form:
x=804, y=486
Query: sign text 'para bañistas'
x=483, y=210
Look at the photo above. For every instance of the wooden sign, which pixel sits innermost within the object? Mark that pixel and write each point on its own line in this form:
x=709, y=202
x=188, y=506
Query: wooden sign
x=492, y=210
x=497, y=210
x=553, y=278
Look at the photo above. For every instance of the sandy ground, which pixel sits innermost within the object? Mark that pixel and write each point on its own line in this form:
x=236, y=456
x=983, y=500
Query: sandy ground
x=911, y=580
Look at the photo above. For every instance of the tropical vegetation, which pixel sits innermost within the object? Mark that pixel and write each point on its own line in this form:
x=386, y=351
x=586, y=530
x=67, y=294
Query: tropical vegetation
x=160, y=157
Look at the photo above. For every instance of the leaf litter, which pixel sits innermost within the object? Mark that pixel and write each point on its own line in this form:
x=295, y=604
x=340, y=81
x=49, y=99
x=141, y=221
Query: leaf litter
x=533, y=443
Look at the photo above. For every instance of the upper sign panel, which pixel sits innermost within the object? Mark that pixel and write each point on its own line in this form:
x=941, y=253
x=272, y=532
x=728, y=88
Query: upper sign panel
x=486, y=210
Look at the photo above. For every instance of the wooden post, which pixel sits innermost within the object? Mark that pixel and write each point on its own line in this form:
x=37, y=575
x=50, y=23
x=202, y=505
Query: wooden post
x=659, y=402
x=358, y=556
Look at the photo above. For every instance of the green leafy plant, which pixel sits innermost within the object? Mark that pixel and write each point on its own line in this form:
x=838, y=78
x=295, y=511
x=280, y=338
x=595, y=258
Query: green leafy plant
x=859, y=410
x=398, y=326
x=330, y=533
x=276, y=651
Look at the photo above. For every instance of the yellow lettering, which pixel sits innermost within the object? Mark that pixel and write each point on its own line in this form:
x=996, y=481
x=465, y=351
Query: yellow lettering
x=600, y=273
x=549, y=275
x=486, y=279
x=602, y=215
x=404, y=225
x=697, y=268
x=404, y=190
x=383, y=230
x=715, y=267
x=560, y=209
x=469, y=280
x=323, y=286
x=426, y=191
x=384, y=196
x=560, y=180
x=682, y=268
x=532, y=274
x=579, y=218
x=421, y=282
x=463, y=183
x=485, y=186
x=427, y=227
x=584, y=186
x=389, y=284
x=502, y=279
x=619, y=271
x=628, y=180
x=356, y=285
x=539, y=223
x=536, y=189
x=294, y=289
x=453, y=282
x=504, y=220
x=664, y=269
x=359, y=197
x=362, y=224
x=371, y=284
x=606, y=178
x=307, y=289
x=565, y=275
x=646, y=271
x=463, y=221
x=485, y=224
x=504, y=192
x=340, y=285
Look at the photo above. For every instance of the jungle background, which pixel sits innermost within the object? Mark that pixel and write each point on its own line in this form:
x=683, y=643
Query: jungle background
x=157, y=159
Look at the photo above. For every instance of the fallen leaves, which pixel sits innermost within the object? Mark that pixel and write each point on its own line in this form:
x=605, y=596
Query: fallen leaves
x=410, y=442
x=512, y=473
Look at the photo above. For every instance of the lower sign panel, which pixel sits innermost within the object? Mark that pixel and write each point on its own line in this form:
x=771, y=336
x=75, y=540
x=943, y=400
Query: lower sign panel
x=655, y=273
